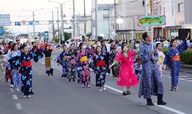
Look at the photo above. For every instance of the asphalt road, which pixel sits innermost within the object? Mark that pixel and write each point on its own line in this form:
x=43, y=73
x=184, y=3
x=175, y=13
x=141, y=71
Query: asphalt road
x=55, y=95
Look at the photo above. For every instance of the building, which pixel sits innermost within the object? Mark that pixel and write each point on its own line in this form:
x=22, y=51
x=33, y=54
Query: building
x=188, y=14
x=128, y=11
x=104, y=21
x=5, y=19
x=183, y=17
x=166, y=8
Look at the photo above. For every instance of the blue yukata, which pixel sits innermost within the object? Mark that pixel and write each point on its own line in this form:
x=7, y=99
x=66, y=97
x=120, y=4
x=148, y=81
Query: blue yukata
x=174, y=65
x=24, y=60
x=150, y=81
x=15, y=67
x=63, y=63
x=100, y=69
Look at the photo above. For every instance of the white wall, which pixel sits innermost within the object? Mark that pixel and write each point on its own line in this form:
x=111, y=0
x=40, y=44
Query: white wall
x=169, y=7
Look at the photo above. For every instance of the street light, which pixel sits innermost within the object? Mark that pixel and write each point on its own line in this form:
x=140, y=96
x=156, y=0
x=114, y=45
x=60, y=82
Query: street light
x=62, y=23
x=33, y=13
x=119, y=20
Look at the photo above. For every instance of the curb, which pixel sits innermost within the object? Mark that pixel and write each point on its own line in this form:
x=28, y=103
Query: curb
x=186, y=66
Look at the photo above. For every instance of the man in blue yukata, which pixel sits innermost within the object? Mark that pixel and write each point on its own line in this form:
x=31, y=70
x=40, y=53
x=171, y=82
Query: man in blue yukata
x=150, y=82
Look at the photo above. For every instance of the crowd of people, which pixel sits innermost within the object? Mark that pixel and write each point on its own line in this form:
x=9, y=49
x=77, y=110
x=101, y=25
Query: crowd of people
x=131, y=62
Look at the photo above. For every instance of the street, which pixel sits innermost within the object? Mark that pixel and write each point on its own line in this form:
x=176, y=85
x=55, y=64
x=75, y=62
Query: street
x=55, y=95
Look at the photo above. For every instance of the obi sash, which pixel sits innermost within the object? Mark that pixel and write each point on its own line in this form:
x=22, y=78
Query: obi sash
x=83, y=58
x=26, y=63
x=100, y=63
x=176, y=58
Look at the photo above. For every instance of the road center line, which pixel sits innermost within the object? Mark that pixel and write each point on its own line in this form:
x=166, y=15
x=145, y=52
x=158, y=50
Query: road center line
x=18, y=106
x=164, y=107
x=14, y=97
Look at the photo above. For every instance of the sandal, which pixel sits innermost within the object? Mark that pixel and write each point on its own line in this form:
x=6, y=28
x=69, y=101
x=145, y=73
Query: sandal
x=125, y=93
x=128, y=93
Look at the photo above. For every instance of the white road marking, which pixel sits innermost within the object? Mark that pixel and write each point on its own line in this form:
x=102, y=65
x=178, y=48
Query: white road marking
x=18, y=106
x=170, y=109
x=119, y=91
x=182, y=79
x=14, y=97
x=164, y=107
x=11, y=89
x=189, y=80
x=183, y=76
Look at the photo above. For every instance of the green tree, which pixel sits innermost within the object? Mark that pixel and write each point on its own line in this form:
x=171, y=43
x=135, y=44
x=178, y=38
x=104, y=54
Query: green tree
x=67, y=36
x=56, y=39
x=6, y=32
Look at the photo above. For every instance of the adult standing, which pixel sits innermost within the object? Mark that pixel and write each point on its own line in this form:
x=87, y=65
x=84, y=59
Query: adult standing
x=174, y=54
x=15, y=66
x=100, y=68
x=126, y=77
x=48, y=66
x=150, y=83
x=82, y=57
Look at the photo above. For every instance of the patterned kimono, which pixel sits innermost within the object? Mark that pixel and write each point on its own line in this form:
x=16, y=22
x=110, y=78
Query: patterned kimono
x=82, y=57
x=63, y=63
x=174, y=62
x=105, y=53
x=150, y=82
x=73, y=63
x=161, y=57
x=8, y=67
x=115, y=68
x=26, y=68
x=100, y=69
x=15, y=67
x=137, y=67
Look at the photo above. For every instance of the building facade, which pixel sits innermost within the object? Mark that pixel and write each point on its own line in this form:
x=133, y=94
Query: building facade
x=128, y=11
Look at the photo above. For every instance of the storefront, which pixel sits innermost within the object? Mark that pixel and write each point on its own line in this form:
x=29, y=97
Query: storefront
x=172, y=31
x=127, y=34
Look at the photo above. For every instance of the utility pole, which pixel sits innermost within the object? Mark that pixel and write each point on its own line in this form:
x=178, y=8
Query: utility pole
x=62, y=25
x=58, y=25
x=109, y=20
x=74, y=20
x=96, y=9
x=53, y=25
x=146, y=14
x=84, y=17
x=115, y=18
x=92, y=25
x=33, y=24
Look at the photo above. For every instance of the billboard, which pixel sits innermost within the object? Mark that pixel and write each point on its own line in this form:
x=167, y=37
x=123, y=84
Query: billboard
x=151, y=20
x=5, y=20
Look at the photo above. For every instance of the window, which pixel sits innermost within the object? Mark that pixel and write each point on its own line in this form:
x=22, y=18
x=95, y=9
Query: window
x=180, y=7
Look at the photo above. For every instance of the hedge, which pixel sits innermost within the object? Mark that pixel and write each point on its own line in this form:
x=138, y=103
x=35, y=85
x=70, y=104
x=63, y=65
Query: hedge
x=186, y=56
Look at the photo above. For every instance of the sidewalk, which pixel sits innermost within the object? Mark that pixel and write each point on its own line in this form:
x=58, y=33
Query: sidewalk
x=186, y=68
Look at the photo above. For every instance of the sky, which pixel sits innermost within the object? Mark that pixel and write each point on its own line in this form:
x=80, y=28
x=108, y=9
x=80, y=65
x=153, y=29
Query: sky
x=15, y=9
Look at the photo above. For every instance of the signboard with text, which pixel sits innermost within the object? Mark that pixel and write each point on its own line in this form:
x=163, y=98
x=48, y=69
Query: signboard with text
x=151, y=20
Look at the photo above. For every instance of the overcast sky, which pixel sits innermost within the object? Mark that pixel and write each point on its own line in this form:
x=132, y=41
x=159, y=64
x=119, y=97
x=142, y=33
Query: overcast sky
x=14, y=7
